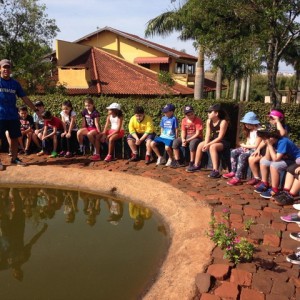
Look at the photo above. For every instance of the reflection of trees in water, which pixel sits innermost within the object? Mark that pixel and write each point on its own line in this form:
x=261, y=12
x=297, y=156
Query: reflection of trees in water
x=13, y=252
x=40, y=204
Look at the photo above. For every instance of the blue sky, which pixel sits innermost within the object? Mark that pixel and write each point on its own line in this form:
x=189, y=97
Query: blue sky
x=76, y=18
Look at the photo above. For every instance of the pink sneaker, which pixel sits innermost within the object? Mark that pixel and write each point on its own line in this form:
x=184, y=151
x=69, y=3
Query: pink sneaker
x=108, y=158
x=234, y=181
x=95, y=157
x=253, y=181
x=228, y=175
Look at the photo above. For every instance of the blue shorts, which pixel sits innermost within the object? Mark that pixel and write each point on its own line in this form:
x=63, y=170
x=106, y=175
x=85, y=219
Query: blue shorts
x=167, y=142
x=12, y=126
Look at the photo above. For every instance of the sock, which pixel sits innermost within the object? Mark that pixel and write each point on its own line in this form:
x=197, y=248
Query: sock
x=148, y=153
x=275, y=189
x=287, y=190
x=258, y=178
x=293, y=195
x=80, y=147
x=265, y=183
x=135, y=152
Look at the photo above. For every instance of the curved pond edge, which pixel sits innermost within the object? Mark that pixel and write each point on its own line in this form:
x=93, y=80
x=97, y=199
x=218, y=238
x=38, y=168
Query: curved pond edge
x=187, y=220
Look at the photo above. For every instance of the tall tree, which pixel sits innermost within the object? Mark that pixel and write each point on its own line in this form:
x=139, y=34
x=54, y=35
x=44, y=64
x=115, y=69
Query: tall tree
x=25, y=36
x=176, y=20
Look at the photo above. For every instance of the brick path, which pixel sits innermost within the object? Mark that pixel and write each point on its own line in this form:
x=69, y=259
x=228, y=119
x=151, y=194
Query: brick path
x=268, y=276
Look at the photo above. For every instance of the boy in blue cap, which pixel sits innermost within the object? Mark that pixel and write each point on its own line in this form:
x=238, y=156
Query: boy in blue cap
x=169, y=131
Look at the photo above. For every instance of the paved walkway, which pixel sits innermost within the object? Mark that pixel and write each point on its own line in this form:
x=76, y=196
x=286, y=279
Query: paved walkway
x=268, y=276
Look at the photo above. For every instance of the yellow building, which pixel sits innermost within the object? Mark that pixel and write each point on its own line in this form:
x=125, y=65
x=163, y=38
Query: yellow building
x=112, y=62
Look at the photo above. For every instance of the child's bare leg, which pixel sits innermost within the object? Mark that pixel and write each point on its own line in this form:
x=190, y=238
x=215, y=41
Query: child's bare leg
x=28, y=141
x=155, y=149
x=169, y=151
x=54, y=143
x=199, y=154
x=254, y=165
x=111, y=143
x=214, y=150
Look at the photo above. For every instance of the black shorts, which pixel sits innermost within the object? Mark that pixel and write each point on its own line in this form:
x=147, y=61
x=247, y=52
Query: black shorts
x=291, y=169
x=12, y=126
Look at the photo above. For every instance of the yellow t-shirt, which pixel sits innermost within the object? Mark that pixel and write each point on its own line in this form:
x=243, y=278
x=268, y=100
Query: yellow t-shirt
x=146, y=126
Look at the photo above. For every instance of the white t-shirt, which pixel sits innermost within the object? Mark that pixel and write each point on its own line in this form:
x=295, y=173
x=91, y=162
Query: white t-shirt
x=67, y=119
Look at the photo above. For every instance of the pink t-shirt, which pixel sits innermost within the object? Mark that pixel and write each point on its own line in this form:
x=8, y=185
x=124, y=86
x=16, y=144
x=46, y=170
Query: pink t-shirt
x=190, y=126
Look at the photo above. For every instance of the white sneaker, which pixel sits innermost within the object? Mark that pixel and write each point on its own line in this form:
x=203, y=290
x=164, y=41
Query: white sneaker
x=1, y=166
x=296, y=206
x=169, y=162
x=160, y=161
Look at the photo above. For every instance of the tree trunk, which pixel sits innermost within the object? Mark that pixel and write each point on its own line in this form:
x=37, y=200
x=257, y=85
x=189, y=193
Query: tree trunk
x=219, y=83
x=235, y=89
x=228, y=88
x=199, y=75
x=242, y=91
x=298, y=86
x=272, y=69
x=248, y=88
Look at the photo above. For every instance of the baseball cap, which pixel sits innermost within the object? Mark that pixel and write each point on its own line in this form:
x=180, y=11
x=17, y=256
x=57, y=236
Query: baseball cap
x=5, y=62
x=188, y=109
x=114, y=106
x=168, y=107
x=214, y=107
x=250, y=118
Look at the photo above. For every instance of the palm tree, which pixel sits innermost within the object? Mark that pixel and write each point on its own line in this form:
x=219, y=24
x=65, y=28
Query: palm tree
x=171, y=21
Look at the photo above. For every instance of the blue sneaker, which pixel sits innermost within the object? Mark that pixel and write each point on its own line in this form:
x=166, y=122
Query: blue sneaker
x=214, y=174
x=193, y=168
x=267, y=194
x=261, y=188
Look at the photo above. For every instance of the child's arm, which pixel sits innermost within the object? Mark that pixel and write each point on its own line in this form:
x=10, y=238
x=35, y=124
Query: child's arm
x=52, y=133
x=97, y=124
x=273, y=154
x=64, y=126
x=282, y=130
x=83, y=122
x=207, y=133
x=44, y=132
x=72, y=124
x=223, y=128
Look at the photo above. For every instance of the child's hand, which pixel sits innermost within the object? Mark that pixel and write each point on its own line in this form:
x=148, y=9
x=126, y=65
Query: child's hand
x=63, y=134
x=68, y=135
x=137, y=142
x=205, y=148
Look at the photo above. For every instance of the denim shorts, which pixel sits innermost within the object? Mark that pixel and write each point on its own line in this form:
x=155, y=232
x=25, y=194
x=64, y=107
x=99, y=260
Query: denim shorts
x=12, y=126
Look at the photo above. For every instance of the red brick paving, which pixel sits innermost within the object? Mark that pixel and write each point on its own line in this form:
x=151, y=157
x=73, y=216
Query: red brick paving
x=268, y=276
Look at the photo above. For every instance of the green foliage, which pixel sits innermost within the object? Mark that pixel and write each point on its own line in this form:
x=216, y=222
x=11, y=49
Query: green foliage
x=25, y=38
x=165, y=78
x=236, y=249
x=153, y=108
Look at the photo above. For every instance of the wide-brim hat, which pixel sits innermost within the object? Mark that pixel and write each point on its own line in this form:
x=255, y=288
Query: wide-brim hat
x=250, y=118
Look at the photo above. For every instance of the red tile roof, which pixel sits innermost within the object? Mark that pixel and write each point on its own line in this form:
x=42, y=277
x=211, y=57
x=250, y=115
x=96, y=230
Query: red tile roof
x=112, y=75
x=164, y=49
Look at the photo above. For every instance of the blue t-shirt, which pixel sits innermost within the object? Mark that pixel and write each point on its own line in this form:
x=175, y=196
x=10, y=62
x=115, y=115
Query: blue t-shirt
x=287, y=147
x=9, y=89
x=169, y=126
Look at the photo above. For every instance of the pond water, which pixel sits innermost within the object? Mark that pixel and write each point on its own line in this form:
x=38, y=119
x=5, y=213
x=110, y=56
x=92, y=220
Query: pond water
x=60, y=244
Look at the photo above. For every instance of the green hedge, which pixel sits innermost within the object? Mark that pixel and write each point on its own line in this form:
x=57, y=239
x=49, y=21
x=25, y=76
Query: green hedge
x=153, y=108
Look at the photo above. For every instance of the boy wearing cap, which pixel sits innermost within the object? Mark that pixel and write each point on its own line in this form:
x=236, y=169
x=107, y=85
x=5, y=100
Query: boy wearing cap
x=282, y=152
x=9, y=117
x=169, y=131
x=141, y=130
x=191, y=135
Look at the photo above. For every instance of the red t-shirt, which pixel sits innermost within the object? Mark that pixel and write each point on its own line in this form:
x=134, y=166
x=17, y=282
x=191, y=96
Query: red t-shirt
x=55, y=122
x=190, y=126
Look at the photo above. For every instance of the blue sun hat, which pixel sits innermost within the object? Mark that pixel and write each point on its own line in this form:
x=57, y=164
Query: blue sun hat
x=250, y=118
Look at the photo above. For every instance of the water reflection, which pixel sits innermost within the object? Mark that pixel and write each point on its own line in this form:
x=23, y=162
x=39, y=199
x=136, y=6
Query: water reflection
x=13, y=252
x=38, y=207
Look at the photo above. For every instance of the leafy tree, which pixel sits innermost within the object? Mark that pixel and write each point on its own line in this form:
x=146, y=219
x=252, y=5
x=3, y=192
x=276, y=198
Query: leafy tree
x=175, y=20
x=25, y=36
